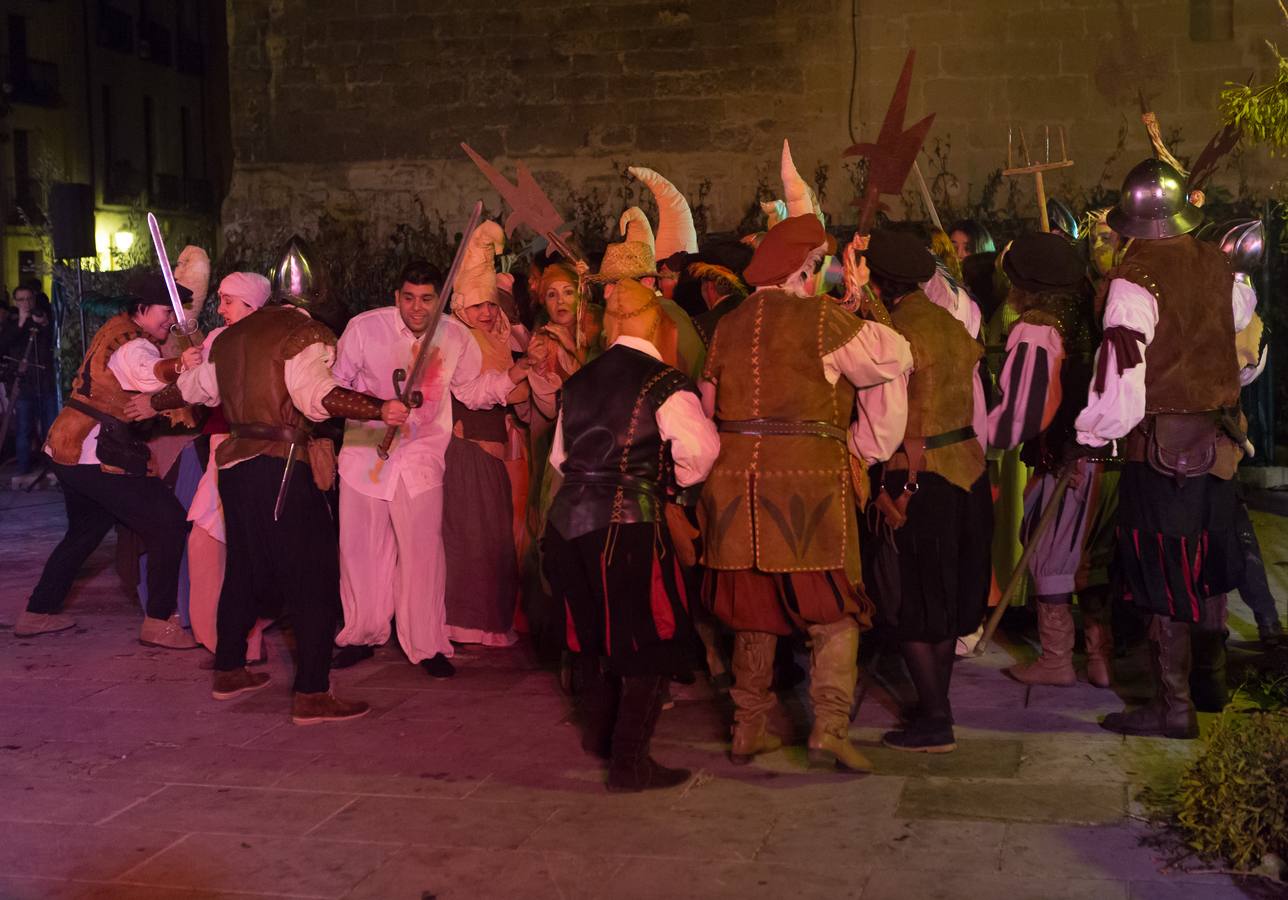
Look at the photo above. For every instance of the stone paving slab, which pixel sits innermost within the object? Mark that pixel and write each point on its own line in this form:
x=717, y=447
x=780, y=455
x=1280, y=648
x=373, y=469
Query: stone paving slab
x=249, y=811
x=1010, y=801
x=77, y=851
x=310, y=867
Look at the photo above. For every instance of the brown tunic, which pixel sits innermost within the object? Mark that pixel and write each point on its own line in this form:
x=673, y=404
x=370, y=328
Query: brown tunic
x=1192, y=364
x=250, y=365
x=941, y=388
x=780, y=503
x=96, y=386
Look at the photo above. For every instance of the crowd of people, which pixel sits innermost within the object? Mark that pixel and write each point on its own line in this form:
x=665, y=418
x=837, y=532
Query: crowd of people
x=684, y=454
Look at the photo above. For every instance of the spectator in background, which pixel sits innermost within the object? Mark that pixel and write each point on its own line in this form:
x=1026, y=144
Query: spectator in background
x=35, y=386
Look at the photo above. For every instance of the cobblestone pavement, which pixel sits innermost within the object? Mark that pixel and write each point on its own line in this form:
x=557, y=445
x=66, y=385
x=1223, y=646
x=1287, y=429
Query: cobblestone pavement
x=121, y=778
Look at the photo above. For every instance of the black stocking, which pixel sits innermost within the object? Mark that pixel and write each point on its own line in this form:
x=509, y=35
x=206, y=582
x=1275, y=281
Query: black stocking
x=929, y=675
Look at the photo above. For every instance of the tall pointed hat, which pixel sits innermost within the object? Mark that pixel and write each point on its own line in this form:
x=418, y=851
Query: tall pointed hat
x=675, y=231
x=476, y=281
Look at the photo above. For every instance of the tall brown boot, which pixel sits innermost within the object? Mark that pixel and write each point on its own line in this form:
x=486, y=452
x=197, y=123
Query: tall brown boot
x=1207, y=644
x=1170, y=714
x=1055, y=666
x=834, y=671
x=1096, y=618
x=753, y=672
x=596, y=704
x=630, y=767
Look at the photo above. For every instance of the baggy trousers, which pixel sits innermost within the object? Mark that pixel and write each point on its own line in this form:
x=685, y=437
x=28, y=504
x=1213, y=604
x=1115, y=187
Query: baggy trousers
x=393, y=566
x=291, y=565
x=97, y=500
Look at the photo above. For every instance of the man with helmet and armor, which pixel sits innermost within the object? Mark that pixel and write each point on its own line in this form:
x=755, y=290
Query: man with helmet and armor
x=272, y=373
x=1166, y=384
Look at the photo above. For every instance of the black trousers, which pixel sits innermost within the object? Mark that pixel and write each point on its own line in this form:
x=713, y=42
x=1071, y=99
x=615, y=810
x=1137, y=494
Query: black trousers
x=95, y=501
x=291, y=566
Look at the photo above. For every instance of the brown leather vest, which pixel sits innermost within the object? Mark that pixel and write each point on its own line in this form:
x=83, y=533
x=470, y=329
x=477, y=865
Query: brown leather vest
x=941, y=394
x=1191, y=365
x=96, y=386
x=780, y=503
x=250, y=365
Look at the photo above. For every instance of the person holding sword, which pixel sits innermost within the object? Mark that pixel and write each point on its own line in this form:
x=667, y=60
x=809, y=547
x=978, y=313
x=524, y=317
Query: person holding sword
x=104, y=468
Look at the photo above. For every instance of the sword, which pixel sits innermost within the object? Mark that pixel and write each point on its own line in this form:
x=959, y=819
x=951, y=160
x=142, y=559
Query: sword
x=405, y=383
x=280, y=502
x=181, y=326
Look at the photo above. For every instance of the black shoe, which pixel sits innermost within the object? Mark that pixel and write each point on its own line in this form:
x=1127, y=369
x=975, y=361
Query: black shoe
x=1271, y=634
x=643, y=775
x=438, y=666
x=347, y=657
x=923, y=736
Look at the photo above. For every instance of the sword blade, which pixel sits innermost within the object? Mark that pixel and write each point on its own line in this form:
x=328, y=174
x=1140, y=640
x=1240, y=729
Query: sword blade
x=286, y=480
x=444, y=296
x=158, y=244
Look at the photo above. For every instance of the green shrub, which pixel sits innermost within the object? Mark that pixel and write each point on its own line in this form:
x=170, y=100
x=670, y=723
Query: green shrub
x=1232, y=802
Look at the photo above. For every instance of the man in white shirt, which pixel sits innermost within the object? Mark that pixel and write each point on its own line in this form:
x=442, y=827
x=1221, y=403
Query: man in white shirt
x=630, y=425
x=392, y=563
x=103, y=467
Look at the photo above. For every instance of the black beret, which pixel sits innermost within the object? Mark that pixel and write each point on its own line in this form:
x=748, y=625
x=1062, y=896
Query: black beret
x=1037, y=261
x=899, y=256
x=148, y=288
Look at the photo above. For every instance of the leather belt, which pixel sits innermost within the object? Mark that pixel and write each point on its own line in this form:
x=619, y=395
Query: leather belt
x=615, y=479
x=98, y=415
x=259, y=431
x=761, y=427
x=956, y=436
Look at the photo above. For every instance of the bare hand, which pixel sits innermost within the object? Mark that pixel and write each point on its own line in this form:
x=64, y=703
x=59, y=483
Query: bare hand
x=139, y=408
x=539, y=348
x=520, y=369
x=562, y=334
x=582, y=269
x=190, y=358
x=393, y=413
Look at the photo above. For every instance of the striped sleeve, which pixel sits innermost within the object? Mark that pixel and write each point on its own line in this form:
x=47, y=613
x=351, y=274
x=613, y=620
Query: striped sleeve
x=1030, y=385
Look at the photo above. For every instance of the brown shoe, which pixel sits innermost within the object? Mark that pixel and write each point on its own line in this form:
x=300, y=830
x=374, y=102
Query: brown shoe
x=30, y=624
x=324, y=706
x=751, y=740
x=833, y=673
x=167, y=633
x=237, y=682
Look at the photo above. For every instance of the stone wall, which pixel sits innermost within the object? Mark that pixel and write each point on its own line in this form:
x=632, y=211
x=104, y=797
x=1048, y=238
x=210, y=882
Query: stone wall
x=355, y=108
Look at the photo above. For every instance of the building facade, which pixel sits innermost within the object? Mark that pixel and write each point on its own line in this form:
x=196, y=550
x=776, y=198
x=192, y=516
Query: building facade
x=126, y=96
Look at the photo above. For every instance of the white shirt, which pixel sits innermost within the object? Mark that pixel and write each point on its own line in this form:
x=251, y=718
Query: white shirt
x=877, y=362
x=695, y=443
x=1111, y=415
x=374, y=344
x=133, y=363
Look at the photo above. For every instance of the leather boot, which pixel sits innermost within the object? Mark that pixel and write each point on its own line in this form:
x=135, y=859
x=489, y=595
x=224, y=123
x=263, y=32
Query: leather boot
x=597, y=705
x=631, y=768
x=1055, y=666
x=834, y=671
x=1170, y=713
x=1207, y=643
x=1096, y=618
x=753, y=672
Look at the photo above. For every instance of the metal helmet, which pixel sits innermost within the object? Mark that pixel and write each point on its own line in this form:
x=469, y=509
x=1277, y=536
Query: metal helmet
x=1153, y=204
x=1062, y=218
x=1243, y=241
x=295, y=278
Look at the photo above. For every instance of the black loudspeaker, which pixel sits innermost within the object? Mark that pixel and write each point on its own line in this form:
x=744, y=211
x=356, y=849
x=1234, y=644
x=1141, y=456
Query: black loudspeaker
x=71, y=214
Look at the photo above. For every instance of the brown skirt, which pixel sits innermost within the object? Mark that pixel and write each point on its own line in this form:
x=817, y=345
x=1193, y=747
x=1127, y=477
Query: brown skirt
x=783, y=602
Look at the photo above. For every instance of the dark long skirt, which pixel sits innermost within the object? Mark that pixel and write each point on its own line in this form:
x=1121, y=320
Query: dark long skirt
x=1177, y=544
x=624, y=597
x=478, y=537
x=930, y=578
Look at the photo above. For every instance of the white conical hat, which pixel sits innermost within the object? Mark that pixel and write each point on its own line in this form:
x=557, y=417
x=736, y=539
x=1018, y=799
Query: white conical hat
x=800, y=197
x=634, y=227
x=675, y=231
x=476, y=280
